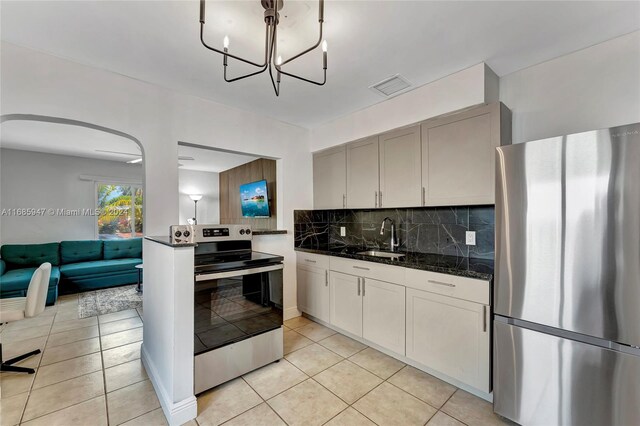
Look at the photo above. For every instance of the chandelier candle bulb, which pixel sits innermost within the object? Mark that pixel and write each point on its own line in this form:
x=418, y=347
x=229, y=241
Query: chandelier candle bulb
x=225, y=42
x=324, y=54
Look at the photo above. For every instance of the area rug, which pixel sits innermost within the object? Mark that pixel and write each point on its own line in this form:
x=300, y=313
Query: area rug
x=108, y=300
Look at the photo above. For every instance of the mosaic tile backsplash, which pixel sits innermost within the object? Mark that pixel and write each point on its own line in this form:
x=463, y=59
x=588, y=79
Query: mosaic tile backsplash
x=434, y=230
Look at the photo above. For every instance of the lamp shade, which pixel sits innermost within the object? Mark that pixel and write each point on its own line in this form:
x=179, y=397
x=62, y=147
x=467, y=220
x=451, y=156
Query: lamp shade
x=195, y=197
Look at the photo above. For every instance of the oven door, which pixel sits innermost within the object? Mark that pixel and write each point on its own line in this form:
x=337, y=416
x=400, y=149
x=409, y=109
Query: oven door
x=231, y=306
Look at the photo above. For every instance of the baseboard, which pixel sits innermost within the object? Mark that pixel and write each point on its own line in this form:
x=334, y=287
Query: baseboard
x=291, y=313
x=177, y=413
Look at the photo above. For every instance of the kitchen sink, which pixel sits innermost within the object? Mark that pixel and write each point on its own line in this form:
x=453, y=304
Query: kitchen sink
x=385, y=254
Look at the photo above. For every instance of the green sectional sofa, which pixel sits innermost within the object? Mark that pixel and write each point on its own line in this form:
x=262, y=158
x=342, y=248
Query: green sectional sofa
x=76, y=265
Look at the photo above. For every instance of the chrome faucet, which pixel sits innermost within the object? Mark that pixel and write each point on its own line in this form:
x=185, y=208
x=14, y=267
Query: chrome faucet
x=393, y=244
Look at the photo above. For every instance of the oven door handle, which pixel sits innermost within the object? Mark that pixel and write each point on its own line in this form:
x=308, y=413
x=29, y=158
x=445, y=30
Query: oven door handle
x=237, y=273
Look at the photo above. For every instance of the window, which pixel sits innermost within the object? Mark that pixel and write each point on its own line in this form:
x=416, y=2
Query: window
x=119, y=211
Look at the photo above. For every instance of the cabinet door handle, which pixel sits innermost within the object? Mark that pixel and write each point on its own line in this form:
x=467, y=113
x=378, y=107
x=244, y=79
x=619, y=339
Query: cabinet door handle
x=376, y=202
x=424, y=196
x=361, y=267
x=439, y=283
x=364, y=286
x=358, y=286
x=484, y=318
x=326, y=278
x=380, y=198
x=310, y=261
x=344, y=201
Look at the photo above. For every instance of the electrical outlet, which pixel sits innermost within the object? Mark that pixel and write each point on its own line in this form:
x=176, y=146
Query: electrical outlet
x=471, y=238
x=343, y=231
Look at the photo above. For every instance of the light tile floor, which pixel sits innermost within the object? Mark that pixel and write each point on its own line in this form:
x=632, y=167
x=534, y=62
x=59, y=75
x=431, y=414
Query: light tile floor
x=90, y=373
x=329, y=379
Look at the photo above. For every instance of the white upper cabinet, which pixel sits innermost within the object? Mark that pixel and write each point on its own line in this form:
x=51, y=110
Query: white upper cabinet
x=458, y=155
x=448, y=160
x=330, y=178
x=400, y=168
x=363, y=173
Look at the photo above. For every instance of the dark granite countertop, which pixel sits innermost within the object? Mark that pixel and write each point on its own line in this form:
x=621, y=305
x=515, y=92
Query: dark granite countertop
x=165, y=240
x=269, y=231
x=462, y=266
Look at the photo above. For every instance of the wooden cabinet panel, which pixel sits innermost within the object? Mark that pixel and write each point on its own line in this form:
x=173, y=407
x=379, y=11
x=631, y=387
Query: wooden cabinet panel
x=400, y=168
x=449, y=335
x=330, y=179
x=383, y=318
x=363, y=173
x=346, y=302
x=230, y=181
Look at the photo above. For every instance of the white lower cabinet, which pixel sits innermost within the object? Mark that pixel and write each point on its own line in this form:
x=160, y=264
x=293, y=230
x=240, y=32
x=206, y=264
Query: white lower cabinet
x=346, y=302
x=449, y=335
x=439, y=321
x=370, y=309
x=313, y=291
x=383, y=318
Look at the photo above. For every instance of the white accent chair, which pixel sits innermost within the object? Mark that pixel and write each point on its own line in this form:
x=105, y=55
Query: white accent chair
x=18, y=308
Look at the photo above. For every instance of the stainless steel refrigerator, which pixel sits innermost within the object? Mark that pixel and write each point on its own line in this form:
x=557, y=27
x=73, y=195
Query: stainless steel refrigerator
x=567, y=280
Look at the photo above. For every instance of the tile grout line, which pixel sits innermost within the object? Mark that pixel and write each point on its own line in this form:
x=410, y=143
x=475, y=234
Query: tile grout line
x=104, y=373
x=102, y=369
x=24, y=408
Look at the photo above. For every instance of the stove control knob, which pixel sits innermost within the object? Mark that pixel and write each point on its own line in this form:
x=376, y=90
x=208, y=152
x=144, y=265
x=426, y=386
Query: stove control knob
x=242, y=232
x=248, y=231
x=178, y=234
x=186, y=233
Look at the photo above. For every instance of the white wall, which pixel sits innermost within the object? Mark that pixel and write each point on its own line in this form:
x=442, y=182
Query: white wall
x=593, y=88
x=472, y=86
x=196, y=182
x=36, y=83
x=39, y=180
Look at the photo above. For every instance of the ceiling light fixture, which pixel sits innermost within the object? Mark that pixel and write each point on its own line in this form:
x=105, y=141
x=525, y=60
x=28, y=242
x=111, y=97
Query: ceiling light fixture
x=271, y=57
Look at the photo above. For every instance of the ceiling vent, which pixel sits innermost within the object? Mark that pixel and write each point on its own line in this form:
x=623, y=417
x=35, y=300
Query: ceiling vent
x=391, y=86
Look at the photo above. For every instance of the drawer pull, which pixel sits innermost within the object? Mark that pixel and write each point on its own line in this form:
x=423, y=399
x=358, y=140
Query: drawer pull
x=441, y=283
x=309, y=260
x=362, y=267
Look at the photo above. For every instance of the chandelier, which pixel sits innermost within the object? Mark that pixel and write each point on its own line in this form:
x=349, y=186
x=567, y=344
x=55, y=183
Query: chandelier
x=272, y=60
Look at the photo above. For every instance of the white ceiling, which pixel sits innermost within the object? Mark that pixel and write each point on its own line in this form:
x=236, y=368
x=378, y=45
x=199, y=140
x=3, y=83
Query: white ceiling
x=158, y=41
x=62, y=139
x=211, y=160
x=54, y=138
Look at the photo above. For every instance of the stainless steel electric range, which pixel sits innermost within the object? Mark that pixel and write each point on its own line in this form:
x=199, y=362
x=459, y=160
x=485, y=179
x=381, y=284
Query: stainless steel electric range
x=237, y=303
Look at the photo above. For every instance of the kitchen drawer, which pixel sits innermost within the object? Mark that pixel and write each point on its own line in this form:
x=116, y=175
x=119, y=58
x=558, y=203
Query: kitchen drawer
x=463, y=288
x=311, y=259
x=378, y=271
